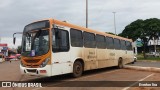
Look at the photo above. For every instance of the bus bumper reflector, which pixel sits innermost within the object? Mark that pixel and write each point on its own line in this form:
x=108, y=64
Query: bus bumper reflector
x=43, y=71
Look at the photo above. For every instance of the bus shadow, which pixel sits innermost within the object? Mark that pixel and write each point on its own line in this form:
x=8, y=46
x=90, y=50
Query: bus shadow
x=47, y=81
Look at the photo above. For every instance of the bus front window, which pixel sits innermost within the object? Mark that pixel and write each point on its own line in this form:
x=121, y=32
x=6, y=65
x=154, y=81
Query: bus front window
x=35, y=43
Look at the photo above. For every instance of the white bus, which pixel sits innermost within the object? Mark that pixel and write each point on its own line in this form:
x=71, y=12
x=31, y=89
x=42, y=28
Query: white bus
x=52, y=47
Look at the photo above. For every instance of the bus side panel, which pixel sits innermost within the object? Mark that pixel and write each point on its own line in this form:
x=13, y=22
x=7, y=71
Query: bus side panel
x=90, y=58
x=121, y=54
x=76, y=53
x=127, y=56
x=62, y=68
x=61, y=63
x=130, y=56
x=108, y=62
x=102, y=58
x=111, y=57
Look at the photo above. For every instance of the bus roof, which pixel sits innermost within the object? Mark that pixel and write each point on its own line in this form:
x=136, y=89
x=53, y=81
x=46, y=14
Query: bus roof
x=63, y=23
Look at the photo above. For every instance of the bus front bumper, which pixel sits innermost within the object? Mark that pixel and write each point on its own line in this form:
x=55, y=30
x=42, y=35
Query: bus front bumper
x=45, y=71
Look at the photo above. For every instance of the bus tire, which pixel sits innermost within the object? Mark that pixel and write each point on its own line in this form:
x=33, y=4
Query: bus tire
x=77, y=69
x=120, y=63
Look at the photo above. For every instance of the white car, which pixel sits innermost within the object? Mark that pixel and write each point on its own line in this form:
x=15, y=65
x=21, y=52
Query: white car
x=156, y=54
x=135, y=58
x=153, y=54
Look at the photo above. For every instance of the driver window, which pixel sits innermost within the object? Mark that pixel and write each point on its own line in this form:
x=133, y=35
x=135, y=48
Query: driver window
x=60, y=40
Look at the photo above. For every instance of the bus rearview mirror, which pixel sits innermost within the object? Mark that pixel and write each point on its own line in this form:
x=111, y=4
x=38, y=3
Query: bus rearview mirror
x=14, y=40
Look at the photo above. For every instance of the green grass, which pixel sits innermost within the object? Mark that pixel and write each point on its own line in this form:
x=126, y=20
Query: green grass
x=150, y=58
x=141, y=57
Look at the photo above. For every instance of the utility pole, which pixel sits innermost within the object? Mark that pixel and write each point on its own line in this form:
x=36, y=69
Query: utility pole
x=86, y=13
x=114, y=21
x=155, y=50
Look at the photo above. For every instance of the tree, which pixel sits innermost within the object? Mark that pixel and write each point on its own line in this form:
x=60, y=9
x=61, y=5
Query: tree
x=142, y=29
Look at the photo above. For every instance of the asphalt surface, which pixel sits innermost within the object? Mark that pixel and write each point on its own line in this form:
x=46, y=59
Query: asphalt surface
x=91, y=80
x=147, y=64
x=107, y=75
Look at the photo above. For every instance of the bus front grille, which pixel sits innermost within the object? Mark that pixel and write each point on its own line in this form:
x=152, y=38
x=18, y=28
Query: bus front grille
x=32, y=66
x=31, y=70
x=32, y=61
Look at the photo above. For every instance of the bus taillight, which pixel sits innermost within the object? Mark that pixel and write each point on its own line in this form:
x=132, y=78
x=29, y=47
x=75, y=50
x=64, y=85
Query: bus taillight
x=43, y=71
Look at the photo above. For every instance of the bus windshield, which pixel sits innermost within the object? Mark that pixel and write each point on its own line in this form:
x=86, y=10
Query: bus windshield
x=35, y=43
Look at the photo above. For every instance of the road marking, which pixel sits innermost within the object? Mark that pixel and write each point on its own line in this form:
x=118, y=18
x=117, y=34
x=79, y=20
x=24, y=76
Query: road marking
x=138, y=81
x=94, y=75
x=79, y=78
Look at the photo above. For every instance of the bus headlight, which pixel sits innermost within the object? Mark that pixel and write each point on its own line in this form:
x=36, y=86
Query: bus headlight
x=22, y=64
x=44, y=63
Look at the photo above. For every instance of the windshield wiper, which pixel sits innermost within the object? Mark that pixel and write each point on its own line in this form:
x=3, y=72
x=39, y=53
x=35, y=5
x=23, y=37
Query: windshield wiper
x=28, y=38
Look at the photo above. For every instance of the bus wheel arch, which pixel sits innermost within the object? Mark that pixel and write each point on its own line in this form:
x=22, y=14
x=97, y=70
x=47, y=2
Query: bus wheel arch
x=78, y=67
x=120, y=63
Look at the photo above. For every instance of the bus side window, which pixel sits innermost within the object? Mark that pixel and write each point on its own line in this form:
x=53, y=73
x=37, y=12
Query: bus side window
x=128, y=45
x=123, y=45
x=109, y=43
x=100, y=40
x=64, y=45
x=89, y=40
x=60, y=40
x=76, y=38
x=117, y=44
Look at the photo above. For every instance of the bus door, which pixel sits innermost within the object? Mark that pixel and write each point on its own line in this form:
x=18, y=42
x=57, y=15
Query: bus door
x=61, y=51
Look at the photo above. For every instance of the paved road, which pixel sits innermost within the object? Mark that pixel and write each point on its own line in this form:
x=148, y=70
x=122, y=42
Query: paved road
x=103, y=75
x=10, y=71
x=147, y=64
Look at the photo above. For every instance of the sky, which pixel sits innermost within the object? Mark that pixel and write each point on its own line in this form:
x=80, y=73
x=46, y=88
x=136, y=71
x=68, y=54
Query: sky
x=15, y=14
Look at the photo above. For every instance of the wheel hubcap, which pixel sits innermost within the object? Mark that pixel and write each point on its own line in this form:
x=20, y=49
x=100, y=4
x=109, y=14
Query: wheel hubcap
x=78, y=69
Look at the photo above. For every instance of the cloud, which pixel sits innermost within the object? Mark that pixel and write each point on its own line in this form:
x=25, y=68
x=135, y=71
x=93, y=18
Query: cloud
x=9, y=42
x=5, y=3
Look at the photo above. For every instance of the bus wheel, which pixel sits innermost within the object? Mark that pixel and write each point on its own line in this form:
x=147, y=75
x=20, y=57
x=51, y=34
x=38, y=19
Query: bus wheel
x=77, y=69
x=120, y=63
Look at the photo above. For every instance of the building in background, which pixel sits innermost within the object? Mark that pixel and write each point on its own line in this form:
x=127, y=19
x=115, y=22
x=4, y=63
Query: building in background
x=4, y=49
x=138, y=46
x=3, y=52
x=154, y=45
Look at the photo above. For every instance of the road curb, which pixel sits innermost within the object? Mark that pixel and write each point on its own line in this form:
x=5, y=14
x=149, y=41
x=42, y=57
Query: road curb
x=151, y=69
x=148, y=61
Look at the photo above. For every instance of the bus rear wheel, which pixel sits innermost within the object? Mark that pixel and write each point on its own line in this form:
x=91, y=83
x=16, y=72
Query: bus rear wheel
x=120, y=63
x=77, y=69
